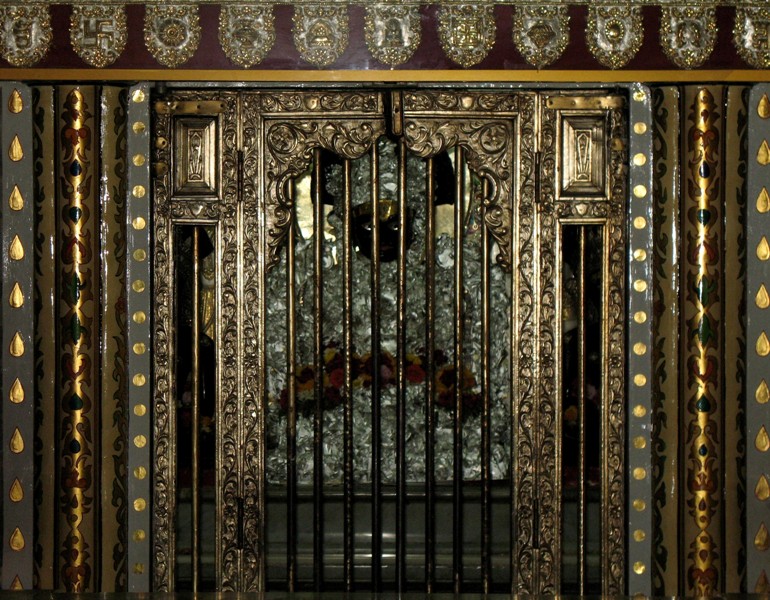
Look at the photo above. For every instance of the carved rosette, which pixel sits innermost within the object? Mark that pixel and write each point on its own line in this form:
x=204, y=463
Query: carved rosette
x=467, y=32
x=688, y=34
x=614, y=34
x=98, y=33
x=172, y=33
x=320, y=33
x=751, y=36
x=392, y=32
x=246, y=32
x=26, y=34
x=541, y=33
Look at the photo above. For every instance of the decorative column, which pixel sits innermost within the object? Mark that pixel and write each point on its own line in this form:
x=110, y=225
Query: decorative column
x=702, y=343
x=18, y=362
x=78, y=339
x=758, y=344
x=665, y=383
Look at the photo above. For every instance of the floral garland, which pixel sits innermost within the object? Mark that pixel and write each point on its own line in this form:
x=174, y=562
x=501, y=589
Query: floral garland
x=362, y=372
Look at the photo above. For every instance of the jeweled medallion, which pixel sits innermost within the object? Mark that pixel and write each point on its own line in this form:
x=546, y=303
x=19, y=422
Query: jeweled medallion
x=320, y=33
x=98, y=33
x=541, y=33
x=688, y=34
x=246, y=32
x=751, y=36
x=172, y=33
x=467, y=32
x=26, y=34
x=614, y=34
x=392, y=32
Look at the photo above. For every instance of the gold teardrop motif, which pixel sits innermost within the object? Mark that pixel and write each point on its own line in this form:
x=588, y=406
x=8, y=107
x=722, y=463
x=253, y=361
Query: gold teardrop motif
x=17, y=540
x=762, y=395
x=762, y=441
x=16, y=152
x=17, y=442
x=762, y=299
x=761, y=541
x=16, y=299
x=763, y=201
x=16, y=201
x=15, y=103
x=763, y=345
x=16, y=584
x=762, y=490
x=762, y=584
x=16, y=395
x=17, y=492
x=763, y=108
x=17, y=346
x=763, y=249
x=16, y=250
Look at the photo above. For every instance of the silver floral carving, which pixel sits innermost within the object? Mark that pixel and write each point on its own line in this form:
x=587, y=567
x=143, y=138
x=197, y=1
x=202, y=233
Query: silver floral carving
x=541, y=33
x=614, y=34
x=98, y=33
x=246, y=32
x=467, y=32
x=688, y=34
x=751, y=36
x=26, y=34
x=392, y=32
x=321, y=33
x=172, y=33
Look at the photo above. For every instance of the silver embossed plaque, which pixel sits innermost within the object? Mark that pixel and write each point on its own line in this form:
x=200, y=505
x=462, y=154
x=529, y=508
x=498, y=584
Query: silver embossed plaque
x=614, y=34
x=541, y=33
x=688, y=34
x=172, y=33
x=751, y=36
x=26, y=34
x=98, y=33
x=392, y=32
x=467, y=32
x=321, y=33
x=246, y=32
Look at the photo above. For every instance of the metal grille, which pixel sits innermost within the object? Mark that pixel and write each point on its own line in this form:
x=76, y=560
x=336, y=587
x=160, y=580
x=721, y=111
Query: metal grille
x=371, y=337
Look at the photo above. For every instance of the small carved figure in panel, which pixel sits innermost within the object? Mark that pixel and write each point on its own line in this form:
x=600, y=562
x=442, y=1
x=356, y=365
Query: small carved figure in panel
x=614, y=34
x=172, y=33
x=320, y=33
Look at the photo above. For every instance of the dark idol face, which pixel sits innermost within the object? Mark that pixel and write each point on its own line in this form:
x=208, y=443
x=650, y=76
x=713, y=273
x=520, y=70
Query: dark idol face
x=389, y=229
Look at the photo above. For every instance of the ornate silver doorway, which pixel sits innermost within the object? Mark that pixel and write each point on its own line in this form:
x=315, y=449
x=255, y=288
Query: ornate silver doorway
x=389, y=341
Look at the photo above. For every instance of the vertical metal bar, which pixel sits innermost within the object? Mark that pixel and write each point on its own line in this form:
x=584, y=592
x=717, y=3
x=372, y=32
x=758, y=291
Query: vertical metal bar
x=318, y=475
x=430, y=382
x=291, y=415
x=581, y=537
x=486, y=496
x=376, y=416
x=457, y=484
x=347, y=333
x=195, y=492
x=400, y=377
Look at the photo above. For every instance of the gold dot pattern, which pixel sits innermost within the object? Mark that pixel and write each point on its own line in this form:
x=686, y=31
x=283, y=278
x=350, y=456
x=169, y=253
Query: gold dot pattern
x=640, y=191
x=639, y=505
x=640, y=473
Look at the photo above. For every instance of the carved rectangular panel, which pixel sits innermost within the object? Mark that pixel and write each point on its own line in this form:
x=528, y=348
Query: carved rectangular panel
x=583, y=156
x=196, y=150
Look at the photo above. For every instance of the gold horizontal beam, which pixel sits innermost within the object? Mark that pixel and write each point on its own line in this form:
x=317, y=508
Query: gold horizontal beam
x=389, y=76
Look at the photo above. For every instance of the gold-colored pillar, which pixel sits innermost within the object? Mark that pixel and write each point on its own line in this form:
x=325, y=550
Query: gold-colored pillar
x=702, y=342
x=78, y=273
